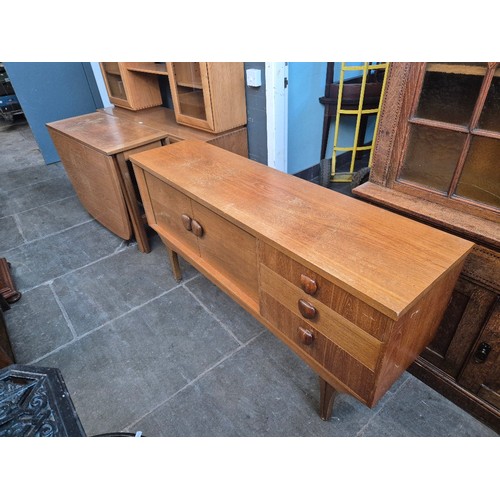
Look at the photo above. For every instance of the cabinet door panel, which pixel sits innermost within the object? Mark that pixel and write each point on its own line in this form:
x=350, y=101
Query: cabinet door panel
x=461, y=326
x=229, y=249
x=481, y=374
x=170, y=210
x=190, y=88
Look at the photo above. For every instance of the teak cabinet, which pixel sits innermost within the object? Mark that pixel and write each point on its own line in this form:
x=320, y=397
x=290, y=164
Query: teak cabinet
x=205, y=95
x=436, y=160
x=133, y=85
x=357, y=296
x=209, y=96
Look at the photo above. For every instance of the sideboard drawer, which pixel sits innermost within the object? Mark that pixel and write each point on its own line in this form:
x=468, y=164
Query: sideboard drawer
x=342, y=365
x=348, y=336
x=351, y=308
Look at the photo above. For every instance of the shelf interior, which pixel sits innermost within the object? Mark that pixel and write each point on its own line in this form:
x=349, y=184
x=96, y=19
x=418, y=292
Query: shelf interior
x=155, y=68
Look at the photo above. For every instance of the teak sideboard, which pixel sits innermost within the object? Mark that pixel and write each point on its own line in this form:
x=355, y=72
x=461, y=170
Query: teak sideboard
x=357, y=295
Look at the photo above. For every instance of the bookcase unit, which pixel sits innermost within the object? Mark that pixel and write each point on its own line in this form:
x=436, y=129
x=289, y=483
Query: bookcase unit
x=436, y=161
x=133, y=85
x=205, y=95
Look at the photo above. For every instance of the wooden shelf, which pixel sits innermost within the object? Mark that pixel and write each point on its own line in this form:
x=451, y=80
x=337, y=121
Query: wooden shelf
x=190, y=85
x=149, y=67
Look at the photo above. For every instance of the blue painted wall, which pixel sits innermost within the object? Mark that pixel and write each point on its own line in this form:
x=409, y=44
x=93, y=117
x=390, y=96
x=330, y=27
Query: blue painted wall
x=52, y=91
x=305, y=115
x=306, y=84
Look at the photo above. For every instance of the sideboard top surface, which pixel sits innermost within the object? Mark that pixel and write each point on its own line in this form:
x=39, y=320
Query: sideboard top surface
x=383, y=258
x=106, y=133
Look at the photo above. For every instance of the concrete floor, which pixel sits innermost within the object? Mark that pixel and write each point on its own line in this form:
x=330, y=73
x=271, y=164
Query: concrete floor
x=140, y=352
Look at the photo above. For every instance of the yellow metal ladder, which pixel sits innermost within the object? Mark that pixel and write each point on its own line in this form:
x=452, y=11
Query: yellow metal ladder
x=365, y=68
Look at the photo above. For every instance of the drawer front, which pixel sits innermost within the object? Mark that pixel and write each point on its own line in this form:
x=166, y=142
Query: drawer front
x=354, y=310
x=327, y=353
x=344, y=334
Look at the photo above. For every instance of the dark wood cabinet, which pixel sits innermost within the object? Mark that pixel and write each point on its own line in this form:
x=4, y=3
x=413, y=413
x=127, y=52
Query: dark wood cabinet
x=436, y=161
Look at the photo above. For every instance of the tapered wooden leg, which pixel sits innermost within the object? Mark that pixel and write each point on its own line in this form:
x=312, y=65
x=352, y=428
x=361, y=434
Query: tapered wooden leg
x=174, y=262
x=138, y=225
x=326, y=397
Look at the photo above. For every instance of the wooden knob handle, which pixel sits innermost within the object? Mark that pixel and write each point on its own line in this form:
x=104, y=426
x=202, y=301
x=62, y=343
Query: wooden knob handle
x=186, y=221
x=308, y=284
x=307, y=309
x=306, y=336
x=196, y=228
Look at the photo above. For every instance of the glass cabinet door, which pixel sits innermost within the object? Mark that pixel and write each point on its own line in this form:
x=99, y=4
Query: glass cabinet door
x=190, y=93
x=113, y=79
x=453, y=144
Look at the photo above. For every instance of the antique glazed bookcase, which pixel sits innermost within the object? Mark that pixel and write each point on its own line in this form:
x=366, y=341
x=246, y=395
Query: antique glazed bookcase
x=437, y=160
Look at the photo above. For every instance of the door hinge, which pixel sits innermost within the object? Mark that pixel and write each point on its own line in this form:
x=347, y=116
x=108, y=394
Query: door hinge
x=285, y=82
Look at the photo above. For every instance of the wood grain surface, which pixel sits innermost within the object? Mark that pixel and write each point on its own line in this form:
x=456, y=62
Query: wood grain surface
x=384, y=259
x=106, y=133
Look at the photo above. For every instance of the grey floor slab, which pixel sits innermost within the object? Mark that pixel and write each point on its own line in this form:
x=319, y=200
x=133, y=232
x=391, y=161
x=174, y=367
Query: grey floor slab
x=123, y=370
x=19, y=148
x=36, y=325
x=262, y=390
x=10, y=236
x=106, y=289
x=242, y=323
x=52, y=218
x=45, y=259
x=35, y=195
x=26, y=176
x=420, y=411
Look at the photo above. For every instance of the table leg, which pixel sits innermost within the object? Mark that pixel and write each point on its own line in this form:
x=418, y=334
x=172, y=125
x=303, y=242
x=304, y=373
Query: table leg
x=327, y=396
x=174, y=262
x=132, y=205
